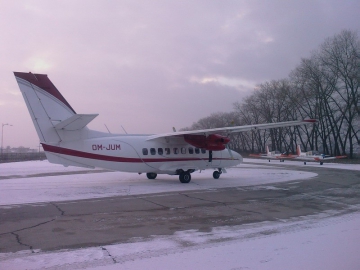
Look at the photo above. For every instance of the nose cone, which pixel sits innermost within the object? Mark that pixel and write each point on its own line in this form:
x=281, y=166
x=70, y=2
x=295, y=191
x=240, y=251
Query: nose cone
x=237, y=157
x=234, y=159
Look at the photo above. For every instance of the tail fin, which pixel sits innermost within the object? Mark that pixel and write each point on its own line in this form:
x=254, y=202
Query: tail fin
x=267, y=151
x=298, y=150
x=53, y=117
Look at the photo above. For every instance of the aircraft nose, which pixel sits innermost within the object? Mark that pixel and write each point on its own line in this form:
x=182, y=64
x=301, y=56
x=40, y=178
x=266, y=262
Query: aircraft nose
x=239, y=157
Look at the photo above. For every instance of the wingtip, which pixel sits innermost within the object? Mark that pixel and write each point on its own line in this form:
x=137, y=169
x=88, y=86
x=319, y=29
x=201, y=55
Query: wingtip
x=310, y=120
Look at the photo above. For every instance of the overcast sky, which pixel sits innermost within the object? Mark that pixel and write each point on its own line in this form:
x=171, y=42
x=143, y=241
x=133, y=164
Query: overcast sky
x=152, y=65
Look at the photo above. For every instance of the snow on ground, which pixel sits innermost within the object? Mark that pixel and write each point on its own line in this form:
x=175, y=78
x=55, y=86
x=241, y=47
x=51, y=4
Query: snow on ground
x=106, y=184
x=34, y=167
x=317, y=242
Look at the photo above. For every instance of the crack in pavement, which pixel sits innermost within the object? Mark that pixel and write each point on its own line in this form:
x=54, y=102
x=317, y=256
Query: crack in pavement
x=20, y=243
x=58, y=208
x=201, y=199
x=108, y=253
x=26, y=228
x=23, y=229
x=141, y=198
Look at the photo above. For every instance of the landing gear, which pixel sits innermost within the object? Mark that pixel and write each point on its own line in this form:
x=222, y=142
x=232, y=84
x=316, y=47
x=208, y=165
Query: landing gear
x=304, y=162
x=151, y=175
x=210, y=156
x=185, y=177
x=321, y=163
x=216, y=174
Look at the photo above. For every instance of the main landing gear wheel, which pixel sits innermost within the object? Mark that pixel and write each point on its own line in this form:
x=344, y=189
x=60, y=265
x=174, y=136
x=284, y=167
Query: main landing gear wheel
x=185, y=177
x=216, y=174
x=151, y=175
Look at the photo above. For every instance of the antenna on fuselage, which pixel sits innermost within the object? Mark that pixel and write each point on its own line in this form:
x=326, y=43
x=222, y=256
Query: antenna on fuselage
x=123, y=129
x=107, y=129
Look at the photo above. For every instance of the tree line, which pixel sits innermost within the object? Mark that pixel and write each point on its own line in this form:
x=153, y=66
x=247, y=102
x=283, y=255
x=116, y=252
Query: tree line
x=324, y=87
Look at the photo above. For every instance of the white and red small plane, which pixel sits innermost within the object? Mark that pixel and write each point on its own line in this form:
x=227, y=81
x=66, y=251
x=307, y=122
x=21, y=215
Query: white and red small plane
x=273, y=155
x=67, y=140
x=314, y=156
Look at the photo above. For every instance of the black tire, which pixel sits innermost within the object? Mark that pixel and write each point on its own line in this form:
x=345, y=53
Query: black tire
x=216, y=174
x=321, y=163
x=185, y=177
x=151, y=175
x=304, y=162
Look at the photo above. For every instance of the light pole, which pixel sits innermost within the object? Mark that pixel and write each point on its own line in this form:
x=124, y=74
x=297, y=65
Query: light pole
x=2, y=135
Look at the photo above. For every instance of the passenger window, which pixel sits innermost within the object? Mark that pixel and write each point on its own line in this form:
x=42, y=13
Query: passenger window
x=167, y=151
x=183, y=150
x=160, y=151
x=203, y=151
x=197, y=151
x=152, y=151
x=145, y=151
x=176, y=151
x=191, y=150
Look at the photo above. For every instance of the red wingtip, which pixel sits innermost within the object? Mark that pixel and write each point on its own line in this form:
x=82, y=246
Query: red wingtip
x=310, y=120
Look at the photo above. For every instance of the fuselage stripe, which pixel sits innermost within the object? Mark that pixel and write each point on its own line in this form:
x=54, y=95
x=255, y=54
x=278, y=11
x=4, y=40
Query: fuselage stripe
x=76, y=153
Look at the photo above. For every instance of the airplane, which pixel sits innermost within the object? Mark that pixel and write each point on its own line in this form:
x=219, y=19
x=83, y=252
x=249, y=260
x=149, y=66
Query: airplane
x=314, y=156
x=273, y=155
x=67, y=140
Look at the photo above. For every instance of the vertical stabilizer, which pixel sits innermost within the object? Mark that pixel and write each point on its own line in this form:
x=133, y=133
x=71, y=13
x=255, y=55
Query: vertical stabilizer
x=298, y=150
x=45, y=103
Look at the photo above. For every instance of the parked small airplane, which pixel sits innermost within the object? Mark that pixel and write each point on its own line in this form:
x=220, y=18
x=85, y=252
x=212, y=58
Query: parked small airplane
x=67, y=140
x=273, y=155
x=314, y=156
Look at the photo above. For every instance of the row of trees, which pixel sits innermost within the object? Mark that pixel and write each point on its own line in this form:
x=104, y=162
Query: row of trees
x=324, y=86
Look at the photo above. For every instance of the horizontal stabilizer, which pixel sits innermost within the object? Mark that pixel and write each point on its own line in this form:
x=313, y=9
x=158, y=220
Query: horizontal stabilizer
x=76, y=122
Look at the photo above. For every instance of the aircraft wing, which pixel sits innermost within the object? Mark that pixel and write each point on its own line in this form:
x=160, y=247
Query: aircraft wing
x=229, y=130
x=327, y=158
x=285, y=157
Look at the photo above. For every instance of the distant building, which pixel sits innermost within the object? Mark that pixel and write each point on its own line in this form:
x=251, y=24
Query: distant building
x=20, y=149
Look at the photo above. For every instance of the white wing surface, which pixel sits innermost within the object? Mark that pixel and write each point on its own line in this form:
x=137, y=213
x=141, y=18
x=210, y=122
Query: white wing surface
x=229, y=130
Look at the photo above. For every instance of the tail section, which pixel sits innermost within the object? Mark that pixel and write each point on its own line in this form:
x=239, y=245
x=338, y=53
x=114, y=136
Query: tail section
x=54, y=119
x=298, y=150
x=267, y=151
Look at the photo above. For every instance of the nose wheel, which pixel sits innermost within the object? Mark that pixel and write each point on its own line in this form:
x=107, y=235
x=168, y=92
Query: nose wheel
x=216, y=174
x=151, y=175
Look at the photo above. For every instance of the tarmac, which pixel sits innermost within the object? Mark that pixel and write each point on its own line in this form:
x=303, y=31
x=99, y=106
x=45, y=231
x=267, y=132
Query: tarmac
x=96, y=222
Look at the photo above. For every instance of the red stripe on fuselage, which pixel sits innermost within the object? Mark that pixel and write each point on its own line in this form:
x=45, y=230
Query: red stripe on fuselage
x=76, y=153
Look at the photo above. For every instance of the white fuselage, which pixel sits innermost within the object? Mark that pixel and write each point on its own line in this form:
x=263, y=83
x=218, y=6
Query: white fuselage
x=134, y=153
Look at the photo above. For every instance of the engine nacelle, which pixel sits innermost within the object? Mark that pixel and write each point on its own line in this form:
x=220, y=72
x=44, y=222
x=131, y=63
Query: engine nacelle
x=213, y=142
